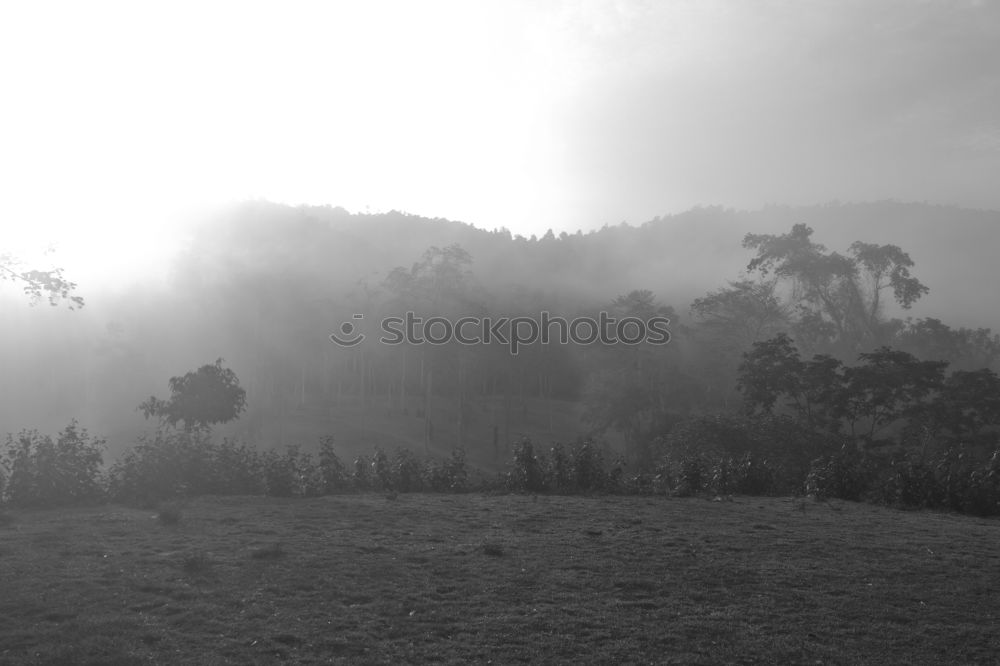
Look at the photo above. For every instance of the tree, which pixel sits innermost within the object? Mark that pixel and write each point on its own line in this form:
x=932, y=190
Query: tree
x=888, y=386
x=726, y=323
x=964, y=348
x=38, y=284
x=885, y=387
x=637, y=390
x=743, y=313
x=771, y=370
x=813, y=391
x=442, y=274
x=211, y=394
x=967, y=407
x=839, y=297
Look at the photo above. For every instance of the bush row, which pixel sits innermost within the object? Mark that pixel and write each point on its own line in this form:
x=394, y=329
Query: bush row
x=583, y=469
x=955, y=478
x=187, y=463
x=36, y=470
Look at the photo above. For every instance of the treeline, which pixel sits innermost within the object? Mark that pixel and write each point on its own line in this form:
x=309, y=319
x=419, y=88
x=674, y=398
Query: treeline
x=263, y=285
x=806, y=336
x=272, y=313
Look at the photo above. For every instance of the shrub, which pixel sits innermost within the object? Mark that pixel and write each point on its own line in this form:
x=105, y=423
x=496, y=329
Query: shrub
x=180, y=463
x=910, y=482
x=234, y=469
x=642, y=483
x=279, y=473
x=588, y=471
x=407, y=473
x=747, y=475
x=448, y=476
x=558, y=470
x=291, y=474
x=457, y=471
x=527, y=473
x=362, y=475
x=43, y=472
x=381, y=470
x=580, y=469
x=789, y=447
x=707, y=435
x=955, y=472
x=693, y=475
x=170, y=463
x=951, y=478
x=333, y=474
x=984, y=496
x=847, y=474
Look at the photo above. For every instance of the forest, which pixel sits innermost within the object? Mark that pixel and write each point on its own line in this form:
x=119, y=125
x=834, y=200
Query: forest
x=811, y=351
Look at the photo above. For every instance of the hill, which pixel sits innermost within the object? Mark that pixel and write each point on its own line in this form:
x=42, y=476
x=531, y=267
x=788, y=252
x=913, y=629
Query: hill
x=262, y=285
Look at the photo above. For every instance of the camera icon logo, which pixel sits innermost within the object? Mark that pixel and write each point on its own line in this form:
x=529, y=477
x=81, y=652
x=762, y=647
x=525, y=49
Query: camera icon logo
x=346, y=330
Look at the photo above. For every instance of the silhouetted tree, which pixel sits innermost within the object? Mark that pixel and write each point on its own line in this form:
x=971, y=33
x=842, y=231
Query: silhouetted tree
x=839, y=297
x=211, y=394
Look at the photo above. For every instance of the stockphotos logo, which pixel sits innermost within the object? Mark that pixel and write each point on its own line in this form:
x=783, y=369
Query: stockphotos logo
x=515, y=332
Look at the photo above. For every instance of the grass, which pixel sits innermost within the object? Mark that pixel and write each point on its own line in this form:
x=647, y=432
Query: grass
x=473, y=579
x=271, y=552
x=170, y=513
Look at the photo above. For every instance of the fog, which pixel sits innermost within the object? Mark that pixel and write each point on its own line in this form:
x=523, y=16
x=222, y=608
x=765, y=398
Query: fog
x=236, y=181
x=499, y=114
x=263, y=285
x=499, y=331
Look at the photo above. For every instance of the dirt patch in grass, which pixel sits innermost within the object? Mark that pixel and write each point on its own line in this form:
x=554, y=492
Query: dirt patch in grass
x=512, y=579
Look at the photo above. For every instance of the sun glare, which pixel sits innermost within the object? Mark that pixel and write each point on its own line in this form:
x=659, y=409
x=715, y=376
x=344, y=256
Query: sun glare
x=131, y=117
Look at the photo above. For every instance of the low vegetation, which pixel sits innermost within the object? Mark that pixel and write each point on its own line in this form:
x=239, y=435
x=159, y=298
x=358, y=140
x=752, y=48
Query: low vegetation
x=713, y=456
x=507, y=578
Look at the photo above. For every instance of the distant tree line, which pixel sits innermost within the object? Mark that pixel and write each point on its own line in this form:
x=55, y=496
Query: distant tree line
x=791, y=377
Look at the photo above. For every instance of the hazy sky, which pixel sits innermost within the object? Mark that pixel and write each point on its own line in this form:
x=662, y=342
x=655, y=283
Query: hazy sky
x=119, y=117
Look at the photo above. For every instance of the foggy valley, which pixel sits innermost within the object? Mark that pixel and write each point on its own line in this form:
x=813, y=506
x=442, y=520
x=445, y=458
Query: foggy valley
x=264, y=285
x=594, y=332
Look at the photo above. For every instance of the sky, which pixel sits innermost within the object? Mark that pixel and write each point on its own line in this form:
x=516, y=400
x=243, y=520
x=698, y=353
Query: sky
x=121, y=122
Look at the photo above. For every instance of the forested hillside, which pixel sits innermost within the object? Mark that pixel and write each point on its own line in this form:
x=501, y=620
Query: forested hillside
x=264, y=285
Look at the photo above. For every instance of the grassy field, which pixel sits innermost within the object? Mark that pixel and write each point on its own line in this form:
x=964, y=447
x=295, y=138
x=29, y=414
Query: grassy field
x=499, y=579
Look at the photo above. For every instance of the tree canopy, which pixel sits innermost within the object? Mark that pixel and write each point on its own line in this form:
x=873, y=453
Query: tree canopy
x=209, y=395
x=839, y=297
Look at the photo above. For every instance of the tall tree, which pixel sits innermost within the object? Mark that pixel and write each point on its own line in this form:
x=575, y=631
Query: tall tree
x=745, y=312
x=439, y=285
x=726, y=322
x=635, y=389
x=839, y=297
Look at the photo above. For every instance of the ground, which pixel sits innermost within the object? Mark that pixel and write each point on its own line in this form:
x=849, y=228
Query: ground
x=498, y=579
